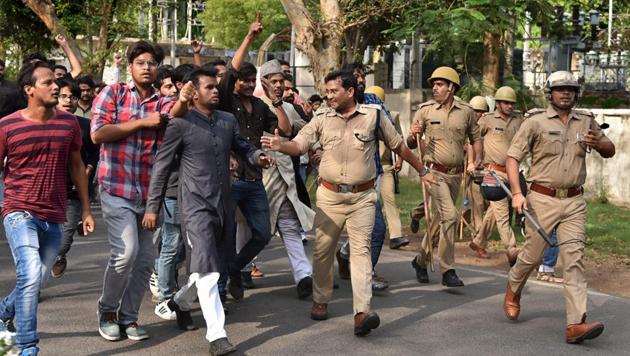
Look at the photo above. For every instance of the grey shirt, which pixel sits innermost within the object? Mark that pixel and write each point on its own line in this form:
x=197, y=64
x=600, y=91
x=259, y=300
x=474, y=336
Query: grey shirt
x=206, y=209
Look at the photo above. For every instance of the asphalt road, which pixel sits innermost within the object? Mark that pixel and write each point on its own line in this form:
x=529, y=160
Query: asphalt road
x=415, y=319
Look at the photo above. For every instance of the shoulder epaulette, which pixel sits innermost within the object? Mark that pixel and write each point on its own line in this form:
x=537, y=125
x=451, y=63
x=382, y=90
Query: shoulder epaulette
x=533, y=112
x=372, y=106
x=585, y=113
x=426, y=103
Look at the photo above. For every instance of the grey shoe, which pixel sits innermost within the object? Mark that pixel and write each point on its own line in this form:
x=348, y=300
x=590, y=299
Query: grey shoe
x=221, y=347
x=379, y=283
x=108, y=326
x=134, y=332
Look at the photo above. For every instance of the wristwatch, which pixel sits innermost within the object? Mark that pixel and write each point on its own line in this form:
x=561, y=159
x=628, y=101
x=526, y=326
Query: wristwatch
x=425, y=172
x=277, y=103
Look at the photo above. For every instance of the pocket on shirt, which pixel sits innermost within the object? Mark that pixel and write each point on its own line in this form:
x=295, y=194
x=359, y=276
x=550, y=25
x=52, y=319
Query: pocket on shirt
x=361, y=138
x=329, y=141
x=551, y=143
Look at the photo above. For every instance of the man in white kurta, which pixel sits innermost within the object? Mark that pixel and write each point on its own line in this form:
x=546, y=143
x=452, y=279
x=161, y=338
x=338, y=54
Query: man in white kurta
x=288, y=213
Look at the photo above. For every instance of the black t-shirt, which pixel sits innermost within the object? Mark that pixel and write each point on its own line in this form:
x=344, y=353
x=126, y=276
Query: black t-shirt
x=251, y=125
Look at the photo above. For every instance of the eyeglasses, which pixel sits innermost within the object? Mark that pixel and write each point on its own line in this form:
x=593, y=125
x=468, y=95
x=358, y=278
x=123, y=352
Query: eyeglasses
x=68, y=97
x=151, y=64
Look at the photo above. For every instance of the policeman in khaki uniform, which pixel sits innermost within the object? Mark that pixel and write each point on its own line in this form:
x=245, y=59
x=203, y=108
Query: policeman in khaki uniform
x=346, y=197
x=391, y=165
x=497, y=129
x=478, y=204
x=446, y=122
x=558, y=140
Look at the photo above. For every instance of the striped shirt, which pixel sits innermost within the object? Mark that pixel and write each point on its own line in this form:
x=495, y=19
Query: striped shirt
x=125, y=165
x=36, y=168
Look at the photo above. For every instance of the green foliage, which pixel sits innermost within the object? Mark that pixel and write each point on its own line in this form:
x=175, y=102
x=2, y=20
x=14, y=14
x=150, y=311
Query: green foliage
x=451, y=26
x=227, y=21
x=21, y=32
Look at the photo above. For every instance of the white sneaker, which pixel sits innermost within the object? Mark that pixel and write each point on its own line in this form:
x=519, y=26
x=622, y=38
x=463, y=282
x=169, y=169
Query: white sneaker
x=163, y=311
x=153, y=285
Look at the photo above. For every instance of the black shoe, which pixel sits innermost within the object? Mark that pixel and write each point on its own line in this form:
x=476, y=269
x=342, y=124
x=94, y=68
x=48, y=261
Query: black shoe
x=450, y=279
x=414, y=225
x=395, y=244
x=184, y=319
x=305, y=287
x=248, y=282
x=59, y=267
x=422, y=275
x=221, y=347
x=235, y=286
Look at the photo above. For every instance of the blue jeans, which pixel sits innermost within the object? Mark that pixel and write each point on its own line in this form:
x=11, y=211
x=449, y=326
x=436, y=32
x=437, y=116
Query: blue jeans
x=378, y=234
x=34, y=245
x=251, y=198
x=170, y=251
x=551, y=253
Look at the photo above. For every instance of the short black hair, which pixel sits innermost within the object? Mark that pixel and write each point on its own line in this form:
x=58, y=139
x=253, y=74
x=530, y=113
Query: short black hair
x=206, y=71
x=59, y=66
x=35, y=56
x=218, y=62
x=86, y=79
x=182, y=72
x=163, y=72
x=347, y=79
x=288, y=77
x=141, y=47
x=27, y=74
x=313, y=98
x=283, y=62
x=351, y=67
x=2, y=63
x=247, y=71
x=74, y=87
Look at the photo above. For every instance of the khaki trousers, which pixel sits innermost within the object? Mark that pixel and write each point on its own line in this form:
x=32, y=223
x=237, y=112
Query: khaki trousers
x=389, y=202
x=568, y=216
x=498, y=211
x=478, y=205
x=443, y=196
x=356, y=211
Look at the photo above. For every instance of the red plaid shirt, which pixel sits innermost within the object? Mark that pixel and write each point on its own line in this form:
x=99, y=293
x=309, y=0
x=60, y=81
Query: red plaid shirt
x=125, y=166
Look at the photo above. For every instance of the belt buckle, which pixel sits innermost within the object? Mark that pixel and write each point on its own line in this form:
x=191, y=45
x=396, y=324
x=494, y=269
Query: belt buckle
x=451, y=170
x=344, y=188
x=562, y=193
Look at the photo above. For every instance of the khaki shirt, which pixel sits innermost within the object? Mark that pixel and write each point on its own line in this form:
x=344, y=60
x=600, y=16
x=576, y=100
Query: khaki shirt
x=384, y=151
x=445, y=132
x=497, y=135
x=558, y=158
x=349, y=145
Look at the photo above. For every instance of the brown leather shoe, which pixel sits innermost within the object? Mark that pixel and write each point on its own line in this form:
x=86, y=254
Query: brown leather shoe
x=576, y=333
x=365, y=322
x=344, y=266
x=512, y=257
x=481, y=252
x=511, y=304
x=319, y=311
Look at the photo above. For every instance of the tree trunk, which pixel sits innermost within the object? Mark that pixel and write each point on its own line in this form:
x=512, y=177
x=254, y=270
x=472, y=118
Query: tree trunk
x=490, y=62
x=104, y=42
x=45, y=10
x=508, y=48
x=321, y=42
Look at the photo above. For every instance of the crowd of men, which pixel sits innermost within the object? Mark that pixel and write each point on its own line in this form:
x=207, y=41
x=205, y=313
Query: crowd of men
x=177, y=152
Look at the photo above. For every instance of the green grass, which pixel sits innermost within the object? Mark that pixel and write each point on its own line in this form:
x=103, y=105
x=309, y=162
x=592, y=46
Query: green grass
x=607, y=226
